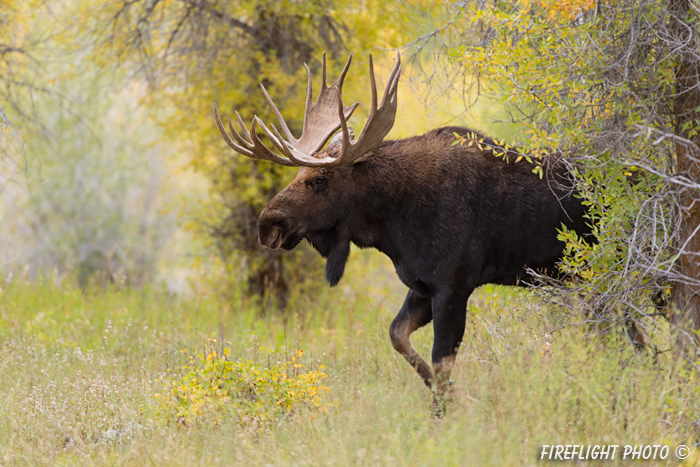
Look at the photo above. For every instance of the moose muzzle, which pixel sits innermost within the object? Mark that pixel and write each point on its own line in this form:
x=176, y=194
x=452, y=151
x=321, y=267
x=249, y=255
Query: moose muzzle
x=276, y=231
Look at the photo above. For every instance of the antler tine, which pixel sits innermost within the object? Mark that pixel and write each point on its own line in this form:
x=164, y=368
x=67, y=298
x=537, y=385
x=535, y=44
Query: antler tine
x=227, y=136
x=341, y=79
x=275, y=137
x=254, y=149
x=309, y=90
x=277, y=113
x=393, y=81
x=235, y=134
x=260, y=151
x=344, y=128
x=242, y=125
x=374, y=85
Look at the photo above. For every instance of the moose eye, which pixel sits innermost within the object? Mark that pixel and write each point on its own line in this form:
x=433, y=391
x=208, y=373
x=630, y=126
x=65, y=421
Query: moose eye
x=319, y=184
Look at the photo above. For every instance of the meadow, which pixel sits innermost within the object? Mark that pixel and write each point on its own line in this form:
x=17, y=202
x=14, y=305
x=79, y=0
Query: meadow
x=111, y=165
x=82, y=381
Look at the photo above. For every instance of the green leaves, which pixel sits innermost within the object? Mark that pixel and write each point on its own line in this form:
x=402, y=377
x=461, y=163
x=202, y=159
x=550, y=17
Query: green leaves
x=593, y=82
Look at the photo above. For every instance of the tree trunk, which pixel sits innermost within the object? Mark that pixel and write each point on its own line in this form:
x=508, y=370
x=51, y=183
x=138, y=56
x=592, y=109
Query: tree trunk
x=686, y=290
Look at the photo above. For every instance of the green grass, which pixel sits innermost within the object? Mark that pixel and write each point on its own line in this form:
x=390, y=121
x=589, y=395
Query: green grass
x=79, y=374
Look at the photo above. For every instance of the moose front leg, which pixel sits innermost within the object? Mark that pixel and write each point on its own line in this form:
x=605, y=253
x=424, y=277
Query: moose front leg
x=415, y=313
x=449, y=320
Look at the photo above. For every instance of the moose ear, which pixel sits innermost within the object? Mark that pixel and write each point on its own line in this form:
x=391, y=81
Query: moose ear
x=338, y=137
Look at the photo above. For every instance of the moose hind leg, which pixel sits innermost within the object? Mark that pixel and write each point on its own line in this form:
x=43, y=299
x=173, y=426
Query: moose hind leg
x=415, y=313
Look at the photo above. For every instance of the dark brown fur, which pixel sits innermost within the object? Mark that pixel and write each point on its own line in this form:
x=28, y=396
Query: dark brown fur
x=450, y=217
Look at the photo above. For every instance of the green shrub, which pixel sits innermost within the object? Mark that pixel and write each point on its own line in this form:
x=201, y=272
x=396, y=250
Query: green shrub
x=210, y=388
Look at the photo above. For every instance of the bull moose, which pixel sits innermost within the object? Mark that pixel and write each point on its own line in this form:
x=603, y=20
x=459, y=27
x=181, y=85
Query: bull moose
x=451, y=217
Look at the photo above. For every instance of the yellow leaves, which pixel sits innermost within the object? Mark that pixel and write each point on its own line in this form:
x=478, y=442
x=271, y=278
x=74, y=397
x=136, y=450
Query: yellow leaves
x=564, y=9
x=213, y=387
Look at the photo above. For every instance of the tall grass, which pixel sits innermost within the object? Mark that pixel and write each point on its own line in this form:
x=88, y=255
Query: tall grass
x=78, y=374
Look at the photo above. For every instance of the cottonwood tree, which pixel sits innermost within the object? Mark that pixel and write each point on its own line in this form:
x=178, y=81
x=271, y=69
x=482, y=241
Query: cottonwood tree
x=615, y=87
x=193, y=51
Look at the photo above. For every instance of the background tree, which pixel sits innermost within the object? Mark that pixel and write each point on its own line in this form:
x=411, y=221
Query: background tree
x=191, y=52
x=93, y=206
x=683, y=34
x=20, y=81
x=89, y=171
x=614, y=87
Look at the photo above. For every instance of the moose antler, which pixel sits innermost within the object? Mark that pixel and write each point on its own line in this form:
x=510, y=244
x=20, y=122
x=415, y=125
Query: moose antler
x=321, y=120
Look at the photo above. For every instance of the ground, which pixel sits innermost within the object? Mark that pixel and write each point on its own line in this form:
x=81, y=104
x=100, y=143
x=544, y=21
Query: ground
x=80, y=374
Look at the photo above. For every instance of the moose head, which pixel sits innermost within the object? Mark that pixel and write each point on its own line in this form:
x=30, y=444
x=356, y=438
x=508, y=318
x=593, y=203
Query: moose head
x=317, y=203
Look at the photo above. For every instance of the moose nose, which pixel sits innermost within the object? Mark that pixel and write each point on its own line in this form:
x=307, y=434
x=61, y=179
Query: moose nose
x=270, y=229
x=271, y=239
